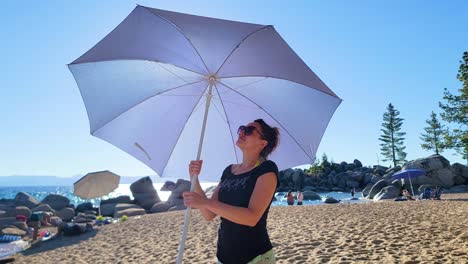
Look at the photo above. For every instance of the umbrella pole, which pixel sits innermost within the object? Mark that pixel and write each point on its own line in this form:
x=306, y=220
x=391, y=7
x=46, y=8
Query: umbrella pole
x=409, y=177
x=193, y=178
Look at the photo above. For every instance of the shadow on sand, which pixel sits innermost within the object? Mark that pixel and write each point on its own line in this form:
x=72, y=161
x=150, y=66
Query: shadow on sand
x=58, y=242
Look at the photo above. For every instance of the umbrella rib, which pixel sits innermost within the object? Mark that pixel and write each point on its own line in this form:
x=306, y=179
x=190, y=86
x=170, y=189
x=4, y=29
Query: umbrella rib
x=171, y=89
x=182, y=33
x=228, y=123
x=159, y=64
x=134, y=59
x=219, y=112
x=182, y=130
x=287, y=132
x=238, y=45
x=238, y=104
x=245, y=85
x=284, y=79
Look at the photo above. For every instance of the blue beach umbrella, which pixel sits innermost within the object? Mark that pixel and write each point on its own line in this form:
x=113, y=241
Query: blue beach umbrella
x=407, y=174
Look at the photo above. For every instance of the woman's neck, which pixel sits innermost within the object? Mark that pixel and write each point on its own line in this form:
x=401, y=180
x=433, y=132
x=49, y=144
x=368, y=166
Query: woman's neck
x=249, y=160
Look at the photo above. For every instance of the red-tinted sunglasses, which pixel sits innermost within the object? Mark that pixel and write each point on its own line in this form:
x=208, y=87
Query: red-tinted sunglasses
x=247, y=130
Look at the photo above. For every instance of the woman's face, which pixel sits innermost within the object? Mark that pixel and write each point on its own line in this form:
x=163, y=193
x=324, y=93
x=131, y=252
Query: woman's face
x=253, y=141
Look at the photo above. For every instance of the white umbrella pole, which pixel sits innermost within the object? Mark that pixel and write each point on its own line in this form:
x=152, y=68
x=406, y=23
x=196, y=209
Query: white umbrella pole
x=409, y=177
x=194, y=177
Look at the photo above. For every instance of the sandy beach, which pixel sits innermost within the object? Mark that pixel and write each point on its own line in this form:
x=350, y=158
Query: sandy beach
x=381, y=232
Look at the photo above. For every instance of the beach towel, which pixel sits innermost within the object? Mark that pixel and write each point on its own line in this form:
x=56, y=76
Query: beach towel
x=8, y=249
x=9, y=238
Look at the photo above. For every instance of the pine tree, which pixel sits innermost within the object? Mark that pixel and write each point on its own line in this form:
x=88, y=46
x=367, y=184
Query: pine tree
x=455, y=112
x=433, y=138
x=392, y=147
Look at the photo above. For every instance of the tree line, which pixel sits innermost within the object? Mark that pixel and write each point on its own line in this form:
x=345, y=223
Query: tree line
x=437, y=136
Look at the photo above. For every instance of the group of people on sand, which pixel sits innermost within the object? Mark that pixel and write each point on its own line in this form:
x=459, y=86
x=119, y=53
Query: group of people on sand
x=291, y=200
x=427, y=194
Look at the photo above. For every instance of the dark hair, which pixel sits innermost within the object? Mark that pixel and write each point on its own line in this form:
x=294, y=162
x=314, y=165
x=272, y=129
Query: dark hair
x=271, y=135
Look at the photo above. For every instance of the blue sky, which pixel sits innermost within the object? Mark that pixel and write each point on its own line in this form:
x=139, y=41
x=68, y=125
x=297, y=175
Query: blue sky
x=370, y=53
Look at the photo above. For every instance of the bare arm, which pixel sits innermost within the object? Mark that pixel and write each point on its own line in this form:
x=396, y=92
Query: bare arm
x=207, y=214
x=259, y=201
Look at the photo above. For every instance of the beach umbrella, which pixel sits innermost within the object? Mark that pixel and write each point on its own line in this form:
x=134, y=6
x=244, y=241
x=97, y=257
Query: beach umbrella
x=96, y=184
x=150, y=85
x=407, y=174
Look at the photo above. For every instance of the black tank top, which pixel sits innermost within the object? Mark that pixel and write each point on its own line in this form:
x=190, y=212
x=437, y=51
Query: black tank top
x=240, y=243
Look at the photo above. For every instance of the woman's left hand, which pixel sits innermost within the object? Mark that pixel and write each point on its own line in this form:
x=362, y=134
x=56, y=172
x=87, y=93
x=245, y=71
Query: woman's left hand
x=195, y=200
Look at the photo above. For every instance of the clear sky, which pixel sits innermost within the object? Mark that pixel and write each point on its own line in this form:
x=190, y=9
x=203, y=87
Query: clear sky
x=370, y=53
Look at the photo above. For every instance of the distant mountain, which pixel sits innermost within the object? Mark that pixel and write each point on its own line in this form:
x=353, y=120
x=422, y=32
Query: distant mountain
x=40, y=180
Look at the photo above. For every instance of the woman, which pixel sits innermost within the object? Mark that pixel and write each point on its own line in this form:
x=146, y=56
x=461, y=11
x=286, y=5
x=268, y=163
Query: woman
x=290, y=198
x=300, y=198
x=242, y=198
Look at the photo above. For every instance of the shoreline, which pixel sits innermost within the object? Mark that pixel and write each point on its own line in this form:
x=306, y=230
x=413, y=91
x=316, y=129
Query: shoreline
x=385, y=231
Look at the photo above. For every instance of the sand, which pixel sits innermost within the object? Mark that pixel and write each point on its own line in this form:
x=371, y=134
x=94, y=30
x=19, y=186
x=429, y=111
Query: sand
x=380, y=232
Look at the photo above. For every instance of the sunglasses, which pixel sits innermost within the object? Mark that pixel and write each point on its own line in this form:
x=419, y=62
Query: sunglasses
x=248, y=130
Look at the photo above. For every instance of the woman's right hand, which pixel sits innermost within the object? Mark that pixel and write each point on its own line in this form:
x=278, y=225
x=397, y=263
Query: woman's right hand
x=195, y=167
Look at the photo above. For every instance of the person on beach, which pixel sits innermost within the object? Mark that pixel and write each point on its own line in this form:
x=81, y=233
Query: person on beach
x=300, y=197
x=352, y=192
x=37, y=219
x=407, y=195
x=242, y=198
x=290, y=198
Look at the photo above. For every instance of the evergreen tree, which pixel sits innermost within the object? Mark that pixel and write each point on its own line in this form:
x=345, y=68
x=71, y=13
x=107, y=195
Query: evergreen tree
x=392, y=147
x=455, y=111
x=433, y=138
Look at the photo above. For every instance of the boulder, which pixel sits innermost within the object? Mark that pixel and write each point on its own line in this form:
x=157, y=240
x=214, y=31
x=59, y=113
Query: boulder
x=20, y=225
x=460, y=170
x=7, y=207
x=66, y=214
x=120, y=207
x=366, y=190
x=7, y=221
x=176, y=198
x=120, y=199
x=160, y=207
x=376, y=188
x=380, y=170
x=25, y=199
x=352, y=184
x=331, y=200
x=389, y=192
x=43, y=207
x=168, y=186
x=457, y=189
x=129, y=212
x=438, y=171
x=107, y=209
x=357, y=163
x=181, y=186
x=12, y=231
x=56, y=202
x=81, y=208
x=20, y=210
x=397, y=184
x=311, y=196
x=144, y=193
x=91, y=212
x=209, y=191
x=298, y=179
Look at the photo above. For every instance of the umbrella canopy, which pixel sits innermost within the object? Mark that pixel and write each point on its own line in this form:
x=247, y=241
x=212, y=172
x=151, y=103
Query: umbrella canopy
x=96, y=184
x=150, y=85
x=406, y=174
x=146, y=83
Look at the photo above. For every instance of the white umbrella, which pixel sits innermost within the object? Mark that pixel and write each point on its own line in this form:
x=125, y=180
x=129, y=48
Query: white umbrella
x=150, y=85
x=96, y=184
